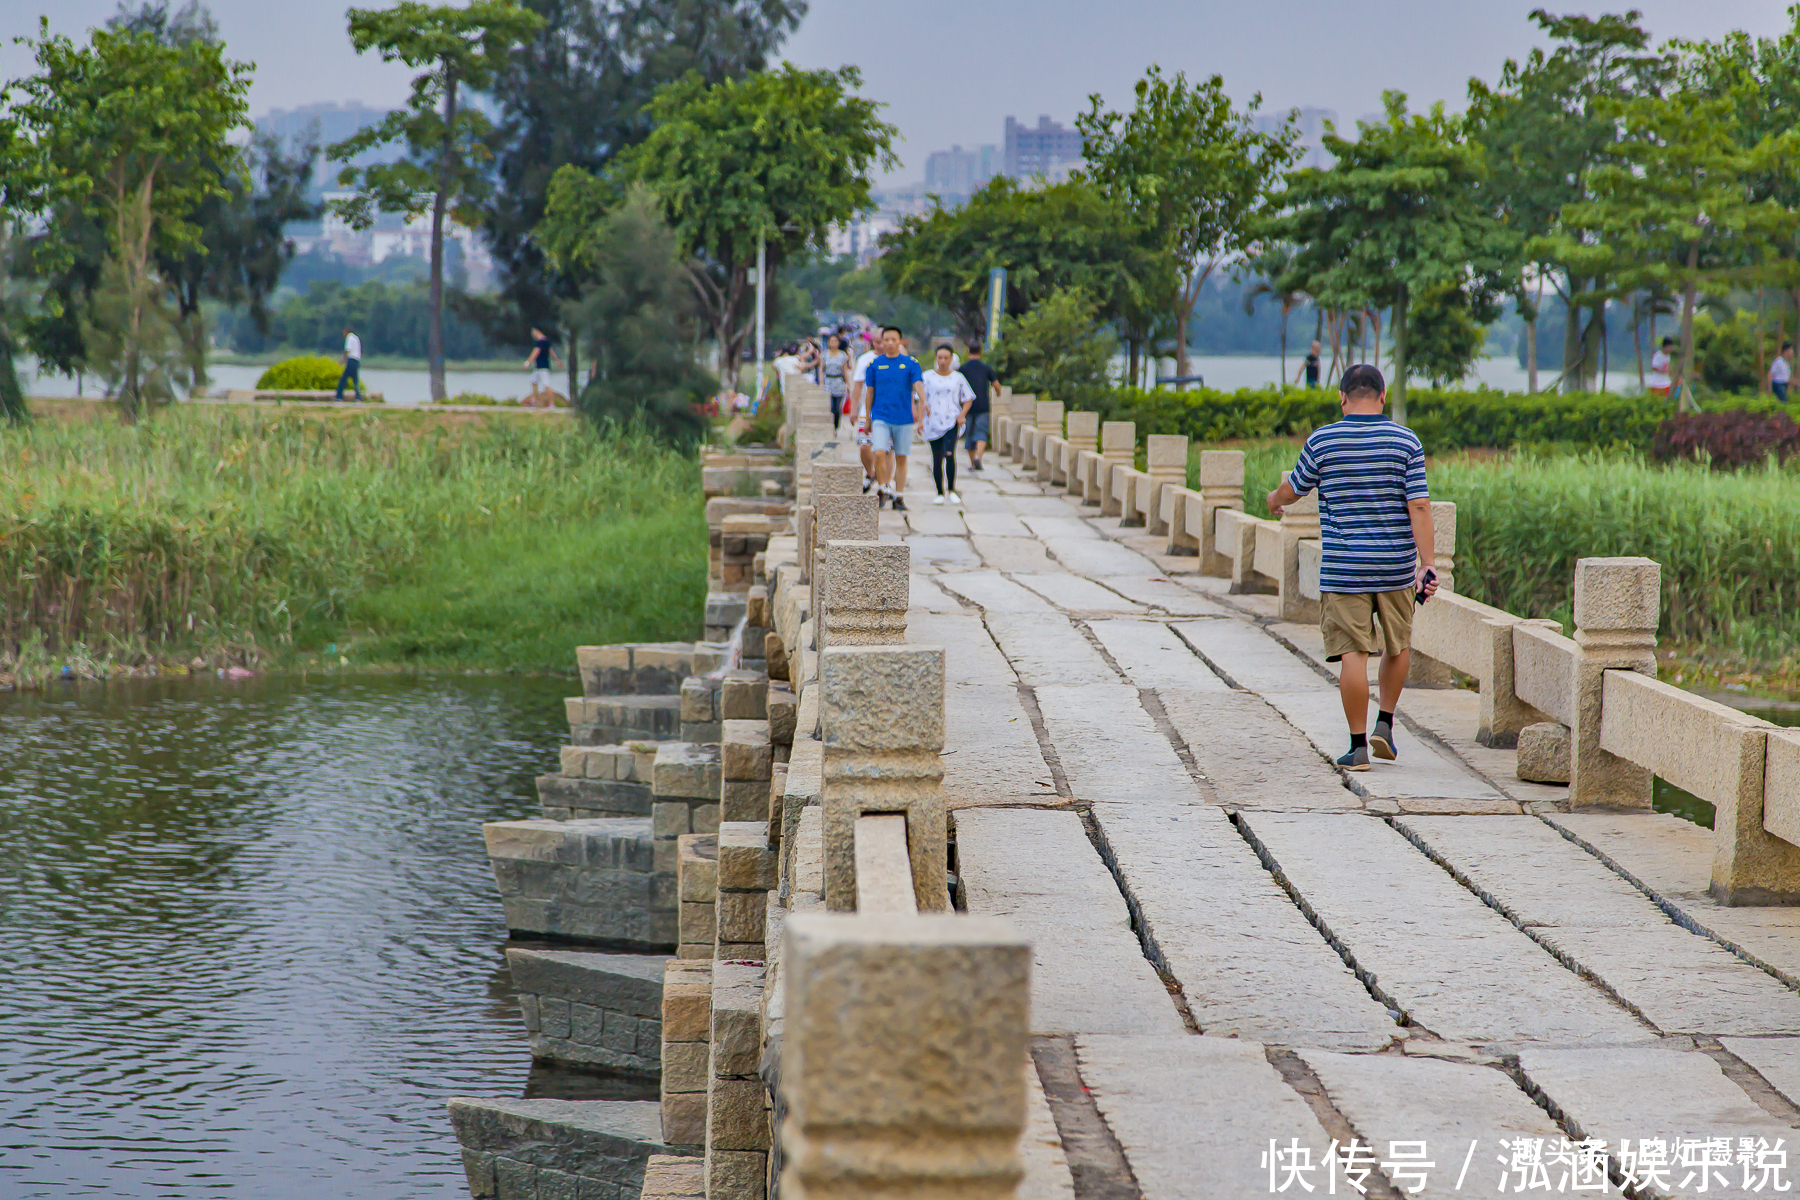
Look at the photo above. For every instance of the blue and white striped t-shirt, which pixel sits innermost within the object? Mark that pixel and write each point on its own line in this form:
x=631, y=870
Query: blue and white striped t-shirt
x=1366, y=468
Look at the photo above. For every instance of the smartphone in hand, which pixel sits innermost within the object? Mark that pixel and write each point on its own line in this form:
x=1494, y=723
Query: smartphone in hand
x=1429, y=576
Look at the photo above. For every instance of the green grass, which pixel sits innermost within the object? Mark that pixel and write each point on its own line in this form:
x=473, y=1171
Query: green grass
x=1728, y=541
x=525, y=597
x=238, y=534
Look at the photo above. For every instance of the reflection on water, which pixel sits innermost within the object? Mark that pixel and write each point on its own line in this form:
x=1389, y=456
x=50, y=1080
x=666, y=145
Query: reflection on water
x=1689, y=807
x=249, y=943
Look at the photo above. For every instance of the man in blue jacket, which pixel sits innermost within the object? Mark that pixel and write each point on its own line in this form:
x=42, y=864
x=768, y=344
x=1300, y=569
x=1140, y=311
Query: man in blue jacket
x=896, y=389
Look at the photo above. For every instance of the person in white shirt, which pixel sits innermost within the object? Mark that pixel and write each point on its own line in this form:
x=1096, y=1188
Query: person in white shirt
x=1781, y=371
x=352, y=360
x=1658, y=379
x=947, y=400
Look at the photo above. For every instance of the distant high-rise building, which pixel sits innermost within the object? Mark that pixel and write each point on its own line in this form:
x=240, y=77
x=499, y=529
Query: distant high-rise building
x=959, y=172
x=1039, y=151
x=334, y=122
x=1311, y=124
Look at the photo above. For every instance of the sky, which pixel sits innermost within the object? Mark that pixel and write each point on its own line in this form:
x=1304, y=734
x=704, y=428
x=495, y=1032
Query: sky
x=951, y=72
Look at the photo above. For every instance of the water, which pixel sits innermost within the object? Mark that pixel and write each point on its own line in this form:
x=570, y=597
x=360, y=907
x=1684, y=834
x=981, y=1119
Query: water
x=1670, y=799
x=1230, y=372
x=397, y=387
x=249, y=942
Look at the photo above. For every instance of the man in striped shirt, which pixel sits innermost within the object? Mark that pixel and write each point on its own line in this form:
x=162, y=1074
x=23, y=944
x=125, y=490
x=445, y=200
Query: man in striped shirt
x=1375, y=525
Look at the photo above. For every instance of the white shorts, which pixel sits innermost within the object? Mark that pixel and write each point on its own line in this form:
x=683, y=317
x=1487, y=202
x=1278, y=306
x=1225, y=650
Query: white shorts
x=540, y=379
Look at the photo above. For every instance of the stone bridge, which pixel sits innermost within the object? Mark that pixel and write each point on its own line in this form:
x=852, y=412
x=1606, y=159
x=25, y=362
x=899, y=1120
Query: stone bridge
x=1010, y=859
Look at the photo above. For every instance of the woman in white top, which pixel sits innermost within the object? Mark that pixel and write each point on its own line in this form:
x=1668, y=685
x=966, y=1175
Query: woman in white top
x=947, y=400
x=836, y=366
x=1658, y=380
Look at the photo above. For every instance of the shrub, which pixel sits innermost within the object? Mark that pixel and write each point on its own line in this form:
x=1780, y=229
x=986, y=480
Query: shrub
x=1730, y=439
x=308, y=373
x=1444, y=420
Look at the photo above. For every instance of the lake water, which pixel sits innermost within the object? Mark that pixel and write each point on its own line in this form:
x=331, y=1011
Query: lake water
x=249, y=941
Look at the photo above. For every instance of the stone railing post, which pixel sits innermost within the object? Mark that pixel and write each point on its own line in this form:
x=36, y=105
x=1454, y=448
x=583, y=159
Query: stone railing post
x=867, y=589
x=1221, y=486
x=1023, y=410
x=903, y=1056
x=1617, y=602
x=881, y=710
x=1503, y=714
x=1299, y=522
x=829, y=479
x=1048, y=418
x=1083, y=435
x=839, y=518
x=1118, y=448
x=1426, y=671
x=1165, y=461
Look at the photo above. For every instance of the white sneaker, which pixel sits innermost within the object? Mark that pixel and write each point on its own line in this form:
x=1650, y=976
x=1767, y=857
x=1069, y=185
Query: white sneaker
x=937, y=499
x=955, y=499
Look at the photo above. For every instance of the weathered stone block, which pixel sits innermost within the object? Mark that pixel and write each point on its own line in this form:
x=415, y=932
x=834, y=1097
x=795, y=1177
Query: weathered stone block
x=698, y=869
x=744, y=696
x=737, y=996
x=592, y=798
x=705, y=818
x=737, y=1175
x=685, y=1066
x=670, y=1178
x=697, y=701
x=596, y=1143
x=698, y=925
x=740, y=917
x=736, y=1118
x=782, y=704
x=868, y=591
x=626, y=983
x=744, y=750
x=1544, y=753
x=687, y=771
x=684, y=1119
x=687, y=1001
x=746, y=864
x=744, y=800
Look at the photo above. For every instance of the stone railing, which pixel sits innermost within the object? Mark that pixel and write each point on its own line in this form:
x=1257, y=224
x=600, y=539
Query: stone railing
x=1585, y=710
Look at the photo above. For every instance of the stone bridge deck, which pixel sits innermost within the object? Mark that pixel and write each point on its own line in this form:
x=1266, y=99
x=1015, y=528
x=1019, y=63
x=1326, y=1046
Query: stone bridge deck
x=1237, y=943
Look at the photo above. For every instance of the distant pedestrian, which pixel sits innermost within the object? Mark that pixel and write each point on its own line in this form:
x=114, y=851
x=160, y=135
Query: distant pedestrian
x=948, y=398
x=542, y=356
x=1781, y=371
x=352, y=360
x=1310, y=368
x=1658, y=381
x=859, y=408
x=896, y=391
x=835, y=364
x=986, y=385
x=1375, y=525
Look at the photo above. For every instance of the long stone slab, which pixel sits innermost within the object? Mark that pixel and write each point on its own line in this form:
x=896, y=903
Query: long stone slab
x=1074, y=593
x=970, y=655
x=1161, y=593
x=1063, y=525
x=1109, y=748
x=1422, y=771
x=1247, y=960
x=1096, y=557
x=1038, y=868
x=1018, y=555
x=946, y=553
x=591, y=880
x=992, y=591
x=1652, y=1092
x=1447, y=1105
x=1046, y=1164
x=1776, y=1059
x=992, y=524
x=924, y=593
x=991, y=753
x=1453, y=964
x=1045, y=648
x=1247, y=657
x=1194, y=1115
x=1680, y=981
x=601, y=1010
x=936, y=522
x=556, y=1147
x=1152, y=656
x=1251, y=756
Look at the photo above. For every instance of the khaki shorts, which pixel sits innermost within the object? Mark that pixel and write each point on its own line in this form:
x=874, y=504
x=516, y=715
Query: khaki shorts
x=1348, y=622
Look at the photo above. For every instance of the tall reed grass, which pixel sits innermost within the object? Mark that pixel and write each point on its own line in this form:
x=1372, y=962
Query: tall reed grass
x=232, y=530
x=1728, y=541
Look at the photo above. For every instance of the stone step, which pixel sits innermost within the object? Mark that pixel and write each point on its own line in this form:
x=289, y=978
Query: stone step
x=634, y=668
x=605, y=720
x=590, y=880
x=1451, y=963
x=535, y=1149
x=599, y=1010
x=566, y=798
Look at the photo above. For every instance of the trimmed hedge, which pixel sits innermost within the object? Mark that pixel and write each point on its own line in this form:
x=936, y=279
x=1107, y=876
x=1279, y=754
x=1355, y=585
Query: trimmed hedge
x=1444, y=420
x=308, y=373
x=1728, y=439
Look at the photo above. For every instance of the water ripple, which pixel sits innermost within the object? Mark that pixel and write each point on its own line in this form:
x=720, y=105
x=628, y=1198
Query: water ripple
x=248, y=939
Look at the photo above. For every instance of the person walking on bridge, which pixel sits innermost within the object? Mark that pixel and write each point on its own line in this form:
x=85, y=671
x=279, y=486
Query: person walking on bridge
x=1375, y=525
x=896, y=389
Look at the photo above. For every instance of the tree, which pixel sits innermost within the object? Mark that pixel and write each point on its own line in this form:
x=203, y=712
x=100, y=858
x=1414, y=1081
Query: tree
x=574, y=93
x=1543, y=127
x=1064, y=235
x=1191, y=168
x=778, y=158
x=1058, y=350
x=637, y=318
x=1677, y=209
x=462, y=48
x=1272, y=268
x=1445, y=334
x=1400, y=213
x=130, y=134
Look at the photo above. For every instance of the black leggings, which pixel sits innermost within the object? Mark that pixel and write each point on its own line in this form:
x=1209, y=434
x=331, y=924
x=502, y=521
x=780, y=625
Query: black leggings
x=837, y=410
x=943, y=461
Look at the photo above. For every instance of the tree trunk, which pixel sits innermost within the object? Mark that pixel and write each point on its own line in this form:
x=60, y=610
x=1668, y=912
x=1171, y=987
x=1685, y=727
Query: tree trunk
x=1688, y=403
x=1637, y=343
x=1131, y=362
x=1531, y=350
x=434, y=336
x=1285, y=309
x=12, y=396
x=1397, y=359
x=1571, y=360
x=1762, y=373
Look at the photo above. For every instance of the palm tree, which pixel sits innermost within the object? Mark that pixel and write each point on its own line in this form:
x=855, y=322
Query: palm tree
x=1271, y=267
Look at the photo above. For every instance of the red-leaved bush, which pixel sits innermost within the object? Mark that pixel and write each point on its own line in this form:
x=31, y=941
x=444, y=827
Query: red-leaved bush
x=1731, y=439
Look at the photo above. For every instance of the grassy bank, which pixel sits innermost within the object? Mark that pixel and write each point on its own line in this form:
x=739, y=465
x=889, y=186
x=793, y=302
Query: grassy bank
x=267, y=536
x=374, y=362
x=1728, y=542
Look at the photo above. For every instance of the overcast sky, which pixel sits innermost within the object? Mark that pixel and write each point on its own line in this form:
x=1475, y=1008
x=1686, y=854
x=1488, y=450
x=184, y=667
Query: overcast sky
x=951, y=72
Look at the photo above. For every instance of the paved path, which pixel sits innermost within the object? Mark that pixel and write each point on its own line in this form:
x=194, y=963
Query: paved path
x=1236, y=942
